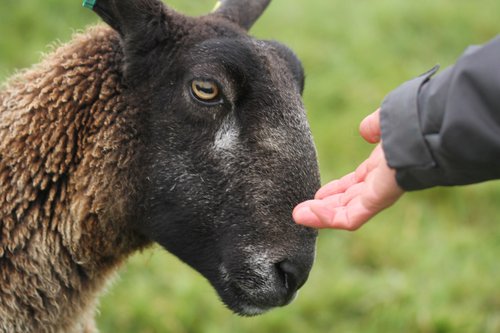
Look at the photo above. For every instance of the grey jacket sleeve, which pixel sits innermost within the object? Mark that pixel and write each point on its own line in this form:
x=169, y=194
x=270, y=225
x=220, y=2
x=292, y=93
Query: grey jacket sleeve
x=444, y=129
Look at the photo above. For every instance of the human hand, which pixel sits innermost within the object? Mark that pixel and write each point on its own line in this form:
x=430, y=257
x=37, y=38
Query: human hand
x=349, y=202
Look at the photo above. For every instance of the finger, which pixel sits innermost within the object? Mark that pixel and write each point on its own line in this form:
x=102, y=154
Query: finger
x=353, y=216
x=362, y=170
x=369, y=164
x=350, y=217
x=342, y=199
x=370, y=127
x=303, y=215
x=373, y=161
x=324, y=215
x=336, y=186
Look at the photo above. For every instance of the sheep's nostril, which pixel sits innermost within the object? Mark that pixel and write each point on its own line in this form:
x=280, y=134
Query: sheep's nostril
x=292, y=275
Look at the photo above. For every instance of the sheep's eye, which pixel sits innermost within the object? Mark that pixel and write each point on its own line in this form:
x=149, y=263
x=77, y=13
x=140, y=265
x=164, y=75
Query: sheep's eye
x=206, y=91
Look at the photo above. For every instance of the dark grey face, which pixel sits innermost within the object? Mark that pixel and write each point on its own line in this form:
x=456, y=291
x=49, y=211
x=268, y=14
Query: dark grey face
x=228, y=152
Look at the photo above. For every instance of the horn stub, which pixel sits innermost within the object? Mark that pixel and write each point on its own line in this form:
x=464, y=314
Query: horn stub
x=242, y=12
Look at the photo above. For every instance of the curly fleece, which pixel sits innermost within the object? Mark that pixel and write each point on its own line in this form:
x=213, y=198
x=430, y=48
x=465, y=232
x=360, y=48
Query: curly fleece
x=67, y=142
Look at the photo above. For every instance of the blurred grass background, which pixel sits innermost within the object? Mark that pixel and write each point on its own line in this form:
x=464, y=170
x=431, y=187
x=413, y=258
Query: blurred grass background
x=430, y=264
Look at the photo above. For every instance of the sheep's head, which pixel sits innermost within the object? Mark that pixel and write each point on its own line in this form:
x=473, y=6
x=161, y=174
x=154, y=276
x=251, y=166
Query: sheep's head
x=227, y=147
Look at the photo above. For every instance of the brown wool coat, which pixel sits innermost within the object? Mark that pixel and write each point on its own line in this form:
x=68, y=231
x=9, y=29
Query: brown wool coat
x=67, y=142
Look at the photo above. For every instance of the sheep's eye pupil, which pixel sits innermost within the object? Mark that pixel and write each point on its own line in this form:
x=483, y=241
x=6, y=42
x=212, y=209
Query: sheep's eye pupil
x=205, y=90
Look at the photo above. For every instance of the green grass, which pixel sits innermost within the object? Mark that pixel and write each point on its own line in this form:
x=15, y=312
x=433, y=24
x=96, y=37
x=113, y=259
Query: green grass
x=430, y=264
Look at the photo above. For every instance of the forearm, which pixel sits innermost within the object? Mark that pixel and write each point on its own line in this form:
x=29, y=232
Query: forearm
x=445, y=130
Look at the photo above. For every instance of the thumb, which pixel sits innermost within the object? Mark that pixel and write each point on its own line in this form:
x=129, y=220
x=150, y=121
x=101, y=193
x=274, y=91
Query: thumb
x=370, y=127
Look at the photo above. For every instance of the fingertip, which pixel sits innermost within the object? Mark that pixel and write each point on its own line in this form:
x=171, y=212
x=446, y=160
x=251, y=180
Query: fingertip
x=326, y=190
x=369, y=128
x=336, y=186
x=303, y=204
x=304, y=216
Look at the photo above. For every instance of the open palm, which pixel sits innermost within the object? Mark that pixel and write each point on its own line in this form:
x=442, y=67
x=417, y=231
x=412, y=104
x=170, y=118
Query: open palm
x=349, y=202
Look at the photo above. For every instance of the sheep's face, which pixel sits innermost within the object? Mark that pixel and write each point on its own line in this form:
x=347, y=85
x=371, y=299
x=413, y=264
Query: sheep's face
x=228, y=154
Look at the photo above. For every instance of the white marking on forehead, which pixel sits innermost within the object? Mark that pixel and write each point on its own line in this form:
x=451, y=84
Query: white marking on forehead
x=226, y=137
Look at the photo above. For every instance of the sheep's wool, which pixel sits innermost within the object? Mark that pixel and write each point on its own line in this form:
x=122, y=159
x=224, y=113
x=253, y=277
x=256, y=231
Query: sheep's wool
x=66, y=144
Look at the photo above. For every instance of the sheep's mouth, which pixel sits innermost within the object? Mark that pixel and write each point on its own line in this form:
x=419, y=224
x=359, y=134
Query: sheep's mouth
x=252, y=293
x=250, y=310
x=257, y=303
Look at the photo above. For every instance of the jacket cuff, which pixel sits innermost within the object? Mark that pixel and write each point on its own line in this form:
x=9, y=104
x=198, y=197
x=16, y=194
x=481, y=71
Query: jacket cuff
x=402, y=138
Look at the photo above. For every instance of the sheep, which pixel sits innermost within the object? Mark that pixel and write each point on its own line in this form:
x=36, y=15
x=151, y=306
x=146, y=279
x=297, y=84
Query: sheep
x=155, y=128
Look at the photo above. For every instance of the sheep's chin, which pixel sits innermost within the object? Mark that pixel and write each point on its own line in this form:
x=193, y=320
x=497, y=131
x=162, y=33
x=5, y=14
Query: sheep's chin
x=251, y=311
x=246, y=305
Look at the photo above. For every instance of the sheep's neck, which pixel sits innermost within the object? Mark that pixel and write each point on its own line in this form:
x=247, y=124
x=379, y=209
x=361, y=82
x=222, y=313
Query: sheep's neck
x=67, y=145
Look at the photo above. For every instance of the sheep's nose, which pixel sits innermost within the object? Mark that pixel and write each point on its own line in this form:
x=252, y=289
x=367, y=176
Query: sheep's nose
x=293, y=276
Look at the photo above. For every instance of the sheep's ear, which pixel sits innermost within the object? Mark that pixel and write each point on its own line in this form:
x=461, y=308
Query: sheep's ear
x=142, y=19
x=242, y=12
